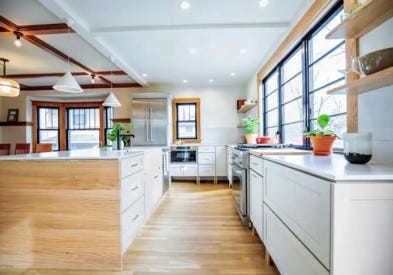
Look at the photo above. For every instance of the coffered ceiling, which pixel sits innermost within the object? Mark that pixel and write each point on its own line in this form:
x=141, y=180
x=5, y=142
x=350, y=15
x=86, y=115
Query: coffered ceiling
x=142, y=42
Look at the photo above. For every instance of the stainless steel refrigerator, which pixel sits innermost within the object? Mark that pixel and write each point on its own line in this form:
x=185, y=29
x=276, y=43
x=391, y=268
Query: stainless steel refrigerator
x=150, y=114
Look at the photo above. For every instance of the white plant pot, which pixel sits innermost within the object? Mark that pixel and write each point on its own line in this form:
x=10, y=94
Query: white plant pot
x=251, y=138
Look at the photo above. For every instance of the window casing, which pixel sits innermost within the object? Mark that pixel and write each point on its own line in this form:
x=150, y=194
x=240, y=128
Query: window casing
x=302, y=78
x=186, y=119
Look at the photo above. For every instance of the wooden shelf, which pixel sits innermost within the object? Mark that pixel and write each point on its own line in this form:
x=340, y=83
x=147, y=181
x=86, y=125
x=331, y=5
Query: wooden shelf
x=16, y=123
x=371, y=14
x=246, y=107
x=366, y=84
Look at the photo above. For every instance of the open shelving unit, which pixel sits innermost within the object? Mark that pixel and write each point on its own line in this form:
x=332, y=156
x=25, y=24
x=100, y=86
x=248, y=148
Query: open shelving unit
x=246, y=107
x=367, y=17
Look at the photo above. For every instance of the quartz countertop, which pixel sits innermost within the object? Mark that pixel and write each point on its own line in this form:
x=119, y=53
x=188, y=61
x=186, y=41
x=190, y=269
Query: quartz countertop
x=335, y=167
x=78, y=154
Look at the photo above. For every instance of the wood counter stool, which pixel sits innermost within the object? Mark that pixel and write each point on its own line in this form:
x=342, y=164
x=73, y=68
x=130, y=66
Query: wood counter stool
x=43, y=147
x=22, y=148
x=5, y=149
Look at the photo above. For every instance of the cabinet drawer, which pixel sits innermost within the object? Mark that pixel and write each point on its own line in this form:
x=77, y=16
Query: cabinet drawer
x=302, y=202
x=256, y=164
x=206, y=158
x=131, y=220
x=206, y=149
x=131, y=189
x=190, y=171
x=131, y=165
x=288, y=253
x=206, y=170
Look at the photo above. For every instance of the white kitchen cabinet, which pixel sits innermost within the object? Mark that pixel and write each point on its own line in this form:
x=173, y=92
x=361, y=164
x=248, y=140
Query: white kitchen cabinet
x=256, y=202
x=221, y=161
x=206, y=161
x=153, y=179
x=288, y=253
x=229, y=164
x=302, y=202
x=184, y=170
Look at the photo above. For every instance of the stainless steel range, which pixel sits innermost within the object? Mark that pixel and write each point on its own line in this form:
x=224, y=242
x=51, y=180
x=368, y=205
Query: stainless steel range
x=240, y=177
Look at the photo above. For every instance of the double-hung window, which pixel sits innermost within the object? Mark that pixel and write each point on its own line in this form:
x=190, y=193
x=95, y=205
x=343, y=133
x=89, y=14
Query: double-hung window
x=83, y=129
x=48, y=126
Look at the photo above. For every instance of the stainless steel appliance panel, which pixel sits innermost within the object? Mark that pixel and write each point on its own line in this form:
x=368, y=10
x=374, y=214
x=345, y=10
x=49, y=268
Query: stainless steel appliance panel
x=150, y=118
x=165, y=169
x=239, y=188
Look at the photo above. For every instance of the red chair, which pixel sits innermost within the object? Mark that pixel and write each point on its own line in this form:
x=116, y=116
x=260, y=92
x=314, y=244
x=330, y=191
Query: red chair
x=5, y=149
x=22, y=148
x=43, y=147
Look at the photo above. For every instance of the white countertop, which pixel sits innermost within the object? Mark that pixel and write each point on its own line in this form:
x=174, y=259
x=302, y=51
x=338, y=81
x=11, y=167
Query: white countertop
x=78, y=154
x=278, y=151
x=335, y=167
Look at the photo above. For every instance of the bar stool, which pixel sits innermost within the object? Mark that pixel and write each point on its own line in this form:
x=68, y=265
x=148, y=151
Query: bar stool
x=5, y=149
x=43, y=147
x=22, y=148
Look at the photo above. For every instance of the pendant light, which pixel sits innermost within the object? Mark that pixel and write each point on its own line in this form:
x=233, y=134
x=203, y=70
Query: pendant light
x=17, y=41
x=111, y=100
x=67, y=83
x=8, y=87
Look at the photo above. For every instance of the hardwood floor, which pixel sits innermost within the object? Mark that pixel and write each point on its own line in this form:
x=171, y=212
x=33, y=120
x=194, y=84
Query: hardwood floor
x=195, y=230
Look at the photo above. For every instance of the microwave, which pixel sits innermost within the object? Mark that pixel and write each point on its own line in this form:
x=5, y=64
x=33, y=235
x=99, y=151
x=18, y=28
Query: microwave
x=184, y=154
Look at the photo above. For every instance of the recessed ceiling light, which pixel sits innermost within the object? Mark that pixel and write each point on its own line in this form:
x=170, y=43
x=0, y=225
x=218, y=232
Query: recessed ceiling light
x=263, y=3
x=243, y=51
x=193, y=51
x=184, y=5
x=233, y=74
x=144, y=75
x=185, y=81
x=211, y=80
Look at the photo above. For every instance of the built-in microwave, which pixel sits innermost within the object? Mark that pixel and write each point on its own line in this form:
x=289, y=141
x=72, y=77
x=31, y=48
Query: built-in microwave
x=184, y=154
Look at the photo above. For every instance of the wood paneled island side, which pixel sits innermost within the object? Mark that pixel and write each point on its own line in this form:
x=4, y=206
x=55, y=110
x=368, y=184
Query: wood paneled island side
x=63, y=209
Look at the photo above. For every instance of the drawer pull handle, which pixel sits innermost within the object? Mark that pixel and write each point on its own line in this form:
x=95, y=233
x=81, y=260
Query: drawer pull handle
x=155, y=177
x=134, y=164
x=133, y=189
x=136, y=217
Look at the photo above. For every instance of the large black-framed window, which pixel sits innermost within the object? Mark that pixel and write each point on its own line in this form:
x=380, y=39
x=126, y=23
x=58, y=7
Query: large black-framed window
x=302, y=78
x=186, y=120
x=108, y=122
x=48, y=129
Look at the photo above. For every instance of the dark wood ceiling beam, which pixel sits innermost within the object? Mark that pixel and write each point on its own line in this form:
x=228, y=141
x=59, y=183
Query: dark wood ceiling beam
x=45, y=29
x=99, y=73
x=8, y=25
x=87, y=86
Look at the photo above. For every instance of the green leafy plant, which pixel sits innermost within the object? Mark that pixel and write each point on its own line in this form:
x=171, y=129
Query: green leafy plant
x=324, y=122
x=251, y=124
x=113, y=135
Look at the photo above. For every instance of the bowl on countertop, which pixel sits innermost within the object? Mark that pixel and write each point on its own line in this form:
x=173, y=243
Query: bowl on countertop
x=376, y=61
x=264, y=140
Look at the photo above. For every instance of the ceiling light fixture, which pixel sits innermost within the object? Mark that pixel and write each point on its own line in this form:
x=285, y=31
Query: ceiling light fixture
x=193, y=51
x=8, y=87
x=144, y=75
x=17, y=41
x=67, y=83
x=111, y=100
x=233, y=74
x=263, y=3
x=93, y=80
x=243, y=51
x=184, y=5
x=185, y=81
x=211, y=80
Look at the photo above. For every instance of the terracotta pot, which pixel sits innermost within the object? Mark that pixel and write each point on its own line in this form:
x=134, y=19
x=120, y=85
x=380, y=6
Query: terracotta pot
x=322, y=146
x=251, y=138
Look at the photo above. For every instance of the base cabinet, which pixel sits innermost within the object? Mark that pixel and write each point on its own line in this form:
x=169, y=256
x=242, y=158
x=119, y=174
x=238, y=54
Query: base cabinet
x=256, y=194
x=288, y=253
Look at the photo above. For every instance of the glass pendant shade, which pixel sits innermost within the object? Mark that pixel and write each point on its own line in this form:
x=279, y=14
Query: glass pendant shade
x=111, y=101
x=9, y=87
x=68, y=84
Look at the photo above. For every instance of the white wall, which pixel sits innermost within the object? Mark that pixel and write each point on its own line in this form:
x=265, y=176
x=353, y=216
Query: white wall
x=375, y=108
x=219, y=118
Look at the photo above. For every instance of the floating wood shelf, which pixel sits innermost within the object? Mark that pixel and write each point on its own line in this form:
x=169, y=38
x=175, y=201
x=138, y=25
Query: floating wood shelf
x=246, y=107
x=370, y=15
x=16, y=123
x=121, y=120
x=366, y=84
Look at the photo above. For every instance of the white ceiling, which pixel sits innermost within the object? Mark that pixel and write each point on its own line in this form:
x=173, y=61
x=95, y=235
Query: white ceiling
x=152, y=37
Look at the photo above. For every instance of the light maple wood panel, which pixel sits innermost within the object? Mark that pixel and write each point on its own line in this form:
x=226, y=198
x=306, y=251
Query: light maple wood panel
x=195, y=230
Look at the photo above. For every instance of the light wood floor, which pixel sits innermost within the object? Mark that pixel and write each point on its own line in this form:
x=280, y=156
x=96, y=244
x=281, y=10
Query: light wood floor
x=195, y=230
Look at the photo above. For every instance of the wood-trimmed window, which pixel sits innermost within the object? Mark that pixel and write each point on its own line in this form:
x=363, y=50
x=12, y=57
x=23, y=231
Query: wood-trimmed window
x=61, y=128
x=186, y=120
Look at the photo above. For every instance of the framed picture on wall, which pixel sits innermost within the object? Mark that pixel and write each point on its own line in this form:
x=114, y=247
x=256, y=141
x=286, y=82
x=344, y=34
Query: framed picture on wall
x=12, y=115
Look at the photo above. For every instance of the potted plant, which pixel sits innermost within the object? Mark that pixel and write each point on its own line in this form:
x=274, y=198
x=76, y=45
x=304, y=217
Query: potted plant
x=114, y=135
x=322, y=137
x=251, y=125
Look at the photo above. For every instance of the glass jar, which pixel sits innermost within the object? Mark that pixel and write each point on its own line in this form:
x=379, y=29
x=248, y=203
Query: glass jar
x=357, y=147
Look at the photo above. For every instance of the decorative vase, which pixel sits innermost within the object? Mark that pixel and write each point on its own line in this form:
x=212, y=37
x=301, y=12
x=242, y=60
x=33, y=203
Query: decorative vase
x=322, y=146
x=251, y=138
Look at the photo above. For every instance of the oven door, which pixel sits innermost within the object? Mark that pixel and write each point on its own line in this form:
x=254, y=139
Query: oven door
x=239, y=183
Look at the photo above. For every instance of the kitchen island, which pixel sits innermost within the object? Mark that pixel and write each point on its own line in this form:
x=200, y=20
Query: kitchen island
x=72, y=209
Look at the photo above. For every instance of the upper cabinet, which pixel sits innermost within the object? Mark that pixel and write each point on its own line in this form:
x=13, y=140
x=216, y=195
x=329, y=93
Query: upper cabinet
x=370, y=15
